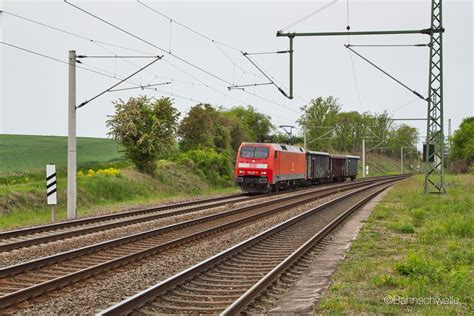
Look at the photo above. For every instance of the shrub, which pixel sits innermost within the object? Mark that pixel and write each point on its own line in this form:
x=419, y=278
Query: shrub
x=145, y=128
x=209, y=164
x=113, y=172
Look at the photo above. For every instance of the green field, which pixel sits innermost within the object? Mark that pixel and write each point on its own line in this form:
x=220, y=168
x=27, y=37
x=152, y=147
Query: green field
x=415, y=255
x=28, y=153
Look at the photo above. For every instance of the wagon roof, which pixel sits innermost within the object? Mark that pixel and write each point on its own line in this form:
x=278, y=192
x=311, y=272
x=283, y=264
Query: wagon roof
x=318, y=153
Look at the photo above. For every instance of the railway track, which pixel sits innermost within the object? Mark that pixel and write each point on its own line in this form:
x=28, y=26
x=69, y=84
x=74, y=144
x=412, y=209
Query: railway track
x=232, y=280
x=16, y=239
x=26, y=280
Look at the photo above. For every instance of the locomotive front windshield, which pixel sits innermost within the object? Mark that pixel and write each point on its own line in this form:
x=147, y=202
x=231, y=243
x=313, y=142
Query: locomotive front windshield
x=254, y=152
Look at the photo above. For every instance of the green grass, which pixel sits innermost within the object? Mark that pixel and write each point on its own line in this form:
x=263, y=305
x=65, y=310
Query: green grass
x=23, y=203
x=380, y=164
x=414, y=248
x=24, y=152
x=22, y=179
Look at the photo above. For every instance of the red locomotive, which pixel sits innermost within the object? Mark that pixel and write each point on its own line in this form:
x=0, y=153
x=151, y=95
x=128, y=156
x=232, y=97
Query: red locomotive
x=262, y=167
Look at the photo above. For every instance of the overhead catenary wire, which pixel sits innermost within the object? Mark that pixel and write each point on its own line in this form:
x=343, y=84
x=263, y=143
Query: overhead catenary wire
x=390, y=45
x=148, y=42
x=403, y=105
x=266, y=76
x=113, y=56
x=67, y=63
x=356, y=82
x=54, y=59
x=188, y=28
x=114, y=77
x=98, y=43
x=217, y=43
x=308, y=16
x=249, y=85
x=348, y=26
x=76, y=35
x=348, y=46
x=142, y=87
x=179, y=58
x=269, y=53
x=121, y=81
x=147, y=87
x=103, y=45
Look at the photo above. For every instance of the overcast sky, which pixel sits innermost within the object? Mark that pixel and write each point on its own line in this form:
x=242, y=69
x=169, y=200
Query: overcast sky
x=34, y=89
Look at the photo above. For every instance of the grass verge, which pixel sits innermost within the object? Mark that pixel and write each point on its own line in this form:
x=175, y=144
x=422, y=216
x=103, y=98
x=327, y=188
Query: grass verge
x=413, y=256
x=23, y=200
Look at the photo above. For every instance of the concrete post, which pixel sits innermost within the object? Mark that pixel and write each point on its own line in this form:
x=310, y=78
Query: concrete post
x=401, y=160
x=363, y=158
x=71, y=141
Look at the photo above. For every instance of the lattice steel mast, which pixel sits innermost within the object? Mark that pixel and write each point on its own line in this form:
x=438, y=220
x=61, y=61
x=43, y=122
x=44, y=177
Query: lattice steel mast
x=434, y=158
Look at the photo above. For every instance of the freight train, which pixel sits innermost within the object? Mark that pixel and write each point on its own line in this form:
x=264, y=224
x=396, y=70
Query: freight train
x=262, y=167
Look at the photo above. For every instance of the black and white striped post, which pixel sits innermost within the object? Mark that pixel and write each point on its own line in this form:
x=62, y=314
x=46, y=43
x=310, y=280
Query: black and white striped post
x=51, y=189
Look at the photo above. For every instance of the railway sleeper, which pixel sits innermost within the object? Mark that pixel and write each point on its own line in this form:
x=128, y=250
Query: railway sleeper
x=206, y=290
x=173, y=308
x=199, y=300
x=226, y=280
x=205, y=296
x=223, y=286
x=234, y=273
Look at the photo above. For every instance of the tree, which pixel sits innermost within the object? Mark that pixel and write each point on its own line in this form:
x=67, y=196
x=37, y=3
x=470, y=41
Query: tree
x=204, y=126
x=329, y=129
x=257, y=126
x=403, y=136
x=318, y=118
x=462, y=147
x=146, y=128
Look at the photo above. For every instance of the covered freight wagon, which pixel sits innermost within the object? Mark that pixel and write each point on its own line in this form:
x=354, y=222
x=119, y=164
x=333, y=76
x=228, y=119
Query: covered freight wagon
x=318, y=168
x=338, y=164
x=352, y=162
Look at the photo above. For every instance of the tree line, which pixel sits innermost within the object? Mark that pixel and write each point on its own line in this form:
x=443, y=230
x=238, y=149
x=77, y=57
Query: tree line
x=328, y=128
x=207, y=137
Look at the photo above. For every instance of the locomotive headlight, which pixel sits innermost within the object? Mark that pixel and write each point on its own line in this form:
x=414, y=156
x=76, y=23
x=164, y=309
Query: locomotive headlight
x=263, y=172
x=241, y=171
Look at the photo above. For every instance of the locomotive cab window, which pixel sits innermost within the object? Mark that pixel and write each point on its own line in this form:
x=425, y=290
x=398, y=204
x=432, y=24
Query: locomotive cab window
x=254, y=152
x=261, y=152
x=247, y=152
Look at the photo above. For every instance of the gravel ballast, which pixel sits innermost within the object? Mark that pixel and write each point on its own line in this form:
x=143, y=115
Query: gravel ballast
x=97, y=293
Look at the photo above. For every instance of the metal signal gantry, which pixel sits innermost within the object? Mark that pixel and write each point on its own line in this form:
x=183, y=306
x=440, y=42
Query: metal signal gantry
x=434, y=154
